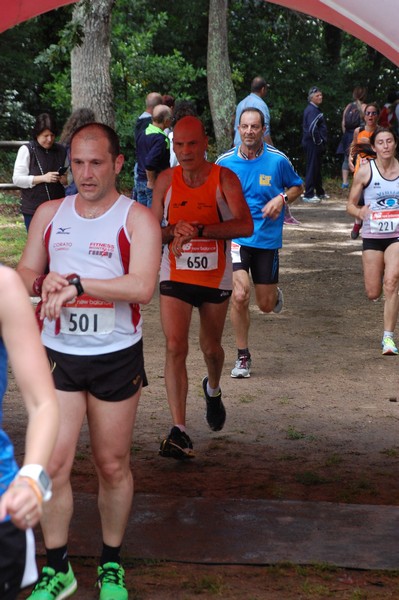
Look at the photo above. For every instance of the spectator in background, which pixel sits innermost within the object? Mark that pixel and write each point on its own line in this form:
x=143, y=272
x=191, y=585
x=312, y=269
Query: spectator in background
x=36, y=167
x=352, y=117
x=152, y=100
x=387, y=115
x=254, y=100
x=153, y=153
x=79, y=117
x=360, y=150
x=168, y=100
x=314, y=139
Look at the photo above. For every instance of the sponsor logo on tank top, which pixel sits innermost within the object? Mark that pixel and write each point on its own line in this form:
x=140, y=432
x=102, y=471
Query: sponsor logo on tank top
x=101, y=249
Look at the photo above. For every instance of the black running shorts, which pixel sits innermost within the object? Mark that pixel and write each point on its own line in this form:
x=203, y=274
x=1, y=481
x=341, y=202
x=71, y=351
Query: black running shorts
x=196, y=295
x=113, y=377
x=263, y=264
x=379, y=244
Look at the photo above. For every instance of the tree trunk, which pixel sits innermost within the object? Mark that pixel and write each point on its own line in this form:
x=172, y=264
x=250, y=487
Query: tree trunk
x=90, y=60
x=221, y=94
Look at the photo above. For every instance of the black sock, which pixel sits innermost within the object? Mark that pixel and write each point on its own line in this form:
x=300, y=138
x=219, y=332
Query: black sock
x=110, y=554
x=243, y=352
x=57, y=559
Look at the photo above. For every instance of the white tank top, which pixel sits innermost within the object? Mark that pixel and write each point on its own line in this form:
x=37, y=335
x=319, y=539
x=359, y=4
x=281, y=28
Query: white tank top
x=382, y=197
x=98, y=249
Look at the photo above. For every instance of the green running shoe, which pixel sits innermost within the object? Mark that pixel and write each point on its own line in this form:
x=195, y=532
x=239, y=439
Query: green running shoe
x=54, y=586
x=111, y=581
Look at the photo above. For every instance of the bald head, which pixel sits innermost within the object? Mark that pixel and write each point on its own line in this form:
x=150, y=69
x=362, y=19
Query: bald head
x=190, y=124
x=162, y=116
x=152, y=100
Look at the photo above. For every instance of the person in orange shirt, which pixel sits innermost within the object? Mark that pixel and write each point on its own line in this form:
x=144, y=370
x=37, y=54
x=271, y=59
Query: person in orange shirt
x=202, y=207
x=360, y=150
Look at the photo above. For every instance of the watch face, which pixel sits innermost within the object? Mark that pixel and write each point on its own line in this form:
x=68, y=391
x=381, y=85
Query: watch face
x=44, y=480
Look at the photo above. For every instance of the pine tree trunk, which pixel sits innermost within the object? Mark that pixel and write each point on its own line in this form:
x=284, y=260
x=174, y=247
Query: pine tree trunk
x=221, y=94
x=90, y=60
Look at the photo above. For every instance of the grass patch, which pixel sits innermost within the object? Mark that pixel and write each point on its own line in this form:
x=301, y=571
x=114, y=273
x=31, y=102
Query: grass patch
x=208, y=584
x=294, y=434
x=310, y=478
x=391, y=452
x=12, y=231
x=247, y=399
x=334, y=460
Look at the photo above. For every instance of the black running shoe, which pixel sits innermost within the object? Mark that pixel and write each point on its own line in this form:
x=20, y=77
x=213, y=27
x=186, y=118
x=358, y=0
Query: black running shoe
x=177, y=445
x=215, y=410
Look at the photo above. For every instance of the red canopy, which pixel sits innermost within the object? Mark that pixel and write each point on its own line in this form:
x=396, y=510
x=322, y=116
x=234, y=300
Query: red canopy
x=376, y=23
x=15, y=11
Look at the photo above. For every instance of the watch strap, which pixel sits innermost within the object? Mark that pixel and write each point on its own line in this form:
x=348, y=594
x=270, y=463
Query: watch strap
x=40, y=477
x=74, y=279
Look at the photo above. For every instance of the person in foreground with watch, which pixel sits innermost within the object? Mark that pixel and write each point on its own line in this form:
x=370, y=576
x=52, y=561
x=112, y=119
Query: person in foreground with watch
x=270, y=184
x=103, y=253
x=202, y=208
x=23, y=492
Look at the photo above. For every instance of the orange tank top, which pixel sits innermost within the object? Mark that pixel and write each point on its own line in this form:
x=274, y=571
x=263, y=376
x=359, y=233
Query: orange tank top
x=204, y=261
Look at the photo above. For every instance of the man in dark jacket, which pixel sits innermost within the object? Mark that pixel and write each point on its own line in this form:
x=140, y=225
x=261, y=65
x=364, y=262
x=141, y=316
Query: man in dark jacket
x=314, y=139
x=153, y=152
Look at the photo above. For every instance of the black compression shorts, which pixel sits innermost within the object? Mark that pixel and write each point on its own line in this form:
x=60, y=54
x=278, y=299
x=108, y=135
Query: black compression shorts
x=193, y=294
x=379, y=244
x=263, y=264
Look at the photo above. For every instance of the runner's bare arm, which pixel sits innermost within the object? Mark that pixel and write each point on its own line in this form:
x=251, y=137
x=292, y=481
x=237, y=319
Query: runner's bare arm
x=34, y=258
x=241, y=224
x=359, y=182
x=138, y=285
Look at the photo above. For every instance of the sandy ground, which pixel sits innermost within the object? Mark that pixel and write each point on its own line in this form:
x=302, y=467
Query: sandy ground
x=317, y=419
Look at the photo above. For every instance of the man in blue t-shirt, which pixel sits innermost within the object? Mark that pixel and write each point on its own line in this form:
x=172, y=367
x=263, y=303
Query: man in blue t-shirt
x=269, y=183
x=254, y=100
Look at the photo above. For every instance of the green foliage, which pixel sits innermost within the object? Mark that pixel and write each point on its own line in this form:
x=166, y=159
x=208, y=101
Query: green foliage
x=158, y=45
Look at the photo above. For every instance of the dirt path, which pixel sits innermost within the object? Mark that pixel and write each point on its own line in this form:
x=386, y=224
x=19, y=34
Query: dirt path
x=317, y=420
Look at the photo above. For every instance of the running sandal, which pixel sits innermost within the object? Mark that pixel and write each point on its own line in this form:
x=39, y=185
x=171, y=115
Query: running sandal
x=215, y=410
x=54, y=586
x=111, y=581
x=177, y=445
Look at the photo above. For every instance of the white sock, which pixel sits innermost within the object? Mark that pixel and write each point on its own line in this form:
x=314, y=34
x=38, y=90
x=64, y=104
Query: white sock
x=388, y=334
x=212, y=391
x=181, y=427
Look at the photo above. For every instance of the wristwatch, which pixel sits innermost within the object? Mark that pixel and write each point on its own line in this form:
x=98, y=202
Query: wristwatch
x=40, y=477
x=200, y=230
x=285, y=197
x=74, y=279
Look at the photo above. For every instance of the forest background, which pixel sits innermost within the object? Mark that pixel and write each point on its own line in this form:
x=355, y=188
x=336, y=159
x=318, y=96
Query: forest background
x=161, y=45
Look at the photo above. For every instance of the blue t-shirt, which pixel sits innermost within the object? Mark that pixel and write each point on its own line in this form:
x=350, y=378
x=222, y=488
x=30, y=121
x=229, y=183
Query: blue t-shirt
x=262, y=179
x=8, y=466
x=251, y=101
